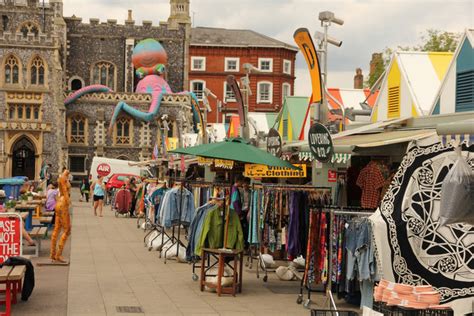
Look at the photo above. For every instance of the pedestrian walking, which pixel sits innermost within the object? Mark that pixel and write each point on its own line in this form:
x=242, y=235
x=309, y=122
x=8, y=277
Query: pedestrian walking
x=98, y=188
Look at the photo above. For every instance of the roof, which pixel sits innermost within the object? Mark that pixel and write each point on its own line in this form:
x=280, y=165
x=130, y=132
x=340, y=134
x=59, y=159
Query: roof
x=384, y=138
x=209, y=36
x=467, y=36
x=424, y=72
x=350, y=98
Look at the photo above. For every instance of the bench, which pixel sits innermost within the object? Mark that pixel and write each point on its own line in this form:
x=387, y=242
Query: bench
x=37, y=234
x=11, y=277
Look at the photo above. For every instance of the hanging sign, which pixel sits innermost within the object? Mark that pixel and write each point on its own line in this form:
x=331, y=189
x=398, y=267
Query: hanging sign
x=224, y=164
x=320, y=142
x=10, y=236
x=274, y=142
x=262, y=171
x=332, y=176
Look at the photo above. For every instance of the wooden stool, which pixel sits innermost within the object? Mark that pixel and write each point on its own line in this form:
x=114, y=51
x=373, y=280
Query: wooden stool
x=236, y=256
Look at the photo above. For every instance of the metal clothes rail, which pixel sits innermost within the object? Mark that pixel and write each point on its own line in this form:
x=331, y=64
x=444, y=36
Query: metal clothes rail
x=332, y=211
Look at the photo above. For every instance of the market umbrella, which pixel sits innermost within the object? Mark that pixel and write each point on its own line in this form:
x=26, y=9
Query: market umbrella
x=235, y=149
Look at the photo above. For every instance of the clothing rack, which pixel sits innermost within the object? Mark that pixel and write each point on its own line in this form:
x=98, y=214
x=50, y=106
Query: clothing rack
x=276, y=187
x=205, y=184
x=173, y=239
x=332, y=210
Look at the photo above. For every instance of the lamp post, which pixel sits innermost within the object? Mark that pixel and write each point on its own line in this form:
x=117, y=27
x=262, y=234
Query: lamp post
x=249, y=68
x=326, y=18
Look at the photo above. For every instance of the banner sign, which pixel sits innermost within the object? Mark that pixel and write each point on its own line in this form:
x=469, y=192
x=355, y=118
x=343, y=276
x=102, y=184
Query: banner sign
x=262, y=171
x=224, y=164
x=205, y=161
x=274, y=142
x=10, y=236
x=320, y=142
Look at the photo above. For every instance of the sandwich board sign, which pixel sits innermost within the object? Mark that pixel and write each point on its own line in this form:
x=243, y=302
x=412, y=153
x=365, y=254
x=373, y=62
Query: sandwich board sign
x=10, y=236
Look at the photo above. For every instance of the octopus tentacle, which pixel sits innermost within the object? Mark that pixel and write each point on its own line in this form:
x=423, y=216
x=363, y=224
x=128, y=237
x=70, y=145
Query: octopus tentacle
x=89, y=89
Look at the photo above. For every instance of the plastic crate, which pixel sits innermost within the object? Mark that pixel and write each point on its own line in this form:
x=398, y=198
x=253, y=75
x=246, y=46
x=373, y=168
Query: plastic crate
x=326, y=312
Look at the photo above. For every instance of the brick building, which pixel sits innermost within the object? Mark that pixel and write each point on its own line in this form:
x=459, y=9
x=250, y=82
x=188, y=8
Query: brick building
x=43, y=56
x=215, y=53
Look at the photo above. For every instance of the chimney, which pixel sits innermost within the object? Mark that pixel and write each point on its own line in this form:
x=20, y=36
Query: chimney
x=358, y=79
x=129, y=20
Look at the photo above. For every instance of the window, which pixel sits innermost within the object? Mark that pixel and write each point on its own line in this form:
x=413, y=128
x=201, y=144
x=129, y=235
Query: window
x=37, y=72
x=286, y=91
x=229, y=95
x=198, y=63
x=12, y=70
x=29, y=27
x=77, y=164
x=265, y=64
x=104, y=73
x=264, y=92
x=198, y=86
x=76, y=84
x=232, y=64
x=286, y=66
x=123, y=131
x=28, y=112
x=77, y=130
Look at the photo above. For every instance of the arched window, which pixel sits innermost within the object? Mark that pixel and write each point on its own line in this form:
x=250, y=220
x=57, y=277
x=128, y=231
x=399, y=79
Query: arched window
x=104, y=73
x=124, y=131
x=12, y=70
x=37, y=71
x=77, y=129
x=29, y=27
x=76, y=84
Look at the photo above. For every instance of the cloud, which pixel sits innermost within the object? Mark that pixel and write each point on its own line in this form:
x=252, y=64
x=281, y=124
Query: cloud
x=370, y=25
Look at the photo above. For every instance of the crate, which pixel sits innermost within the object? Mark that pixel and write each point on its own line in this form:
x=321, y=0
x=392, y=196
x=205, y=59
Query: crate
x=403, y=311
x=326, y=312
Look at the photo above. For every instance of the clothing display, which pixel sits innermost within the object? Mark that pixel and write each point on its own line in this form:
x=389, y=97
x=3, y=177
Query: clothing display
x=169, y=211
x=123, y=201
x=195, y=230
x=371, y=181
x=212, y=230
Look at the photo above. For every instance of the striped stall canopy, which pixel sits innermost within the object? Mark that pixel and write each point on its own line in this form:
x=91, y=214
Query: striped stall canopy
x=467, y=139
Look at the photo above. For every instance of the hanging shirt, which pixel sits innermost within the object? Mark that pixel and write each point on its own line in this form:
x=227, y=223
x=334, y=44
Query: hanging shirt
x=51, y=199
x=235, y=200
x=370, y=180
x=170, y=210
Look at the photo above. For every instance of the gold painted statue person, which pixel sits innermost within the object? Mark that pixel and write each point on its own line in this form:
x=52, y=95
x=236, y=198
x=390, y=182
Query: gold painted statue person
x=62, y=221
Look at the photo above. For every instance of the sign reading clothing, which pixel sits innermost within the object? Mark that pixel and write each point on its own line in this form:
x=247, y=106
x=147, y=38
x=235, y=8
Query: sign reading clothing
x=262, y=171
x=10, y=236
x=320, y=142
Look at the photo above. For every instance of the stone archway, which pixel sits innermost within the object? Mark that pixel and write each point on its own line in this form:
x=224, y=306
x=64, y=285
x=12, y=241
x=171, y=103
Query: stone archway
x=24, y=158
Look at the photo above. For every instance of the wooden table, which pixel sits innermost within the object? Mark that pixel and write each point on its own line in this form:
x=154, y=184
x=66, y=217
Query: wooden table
x=30, y=209
x=236, y=256
x=11, y=277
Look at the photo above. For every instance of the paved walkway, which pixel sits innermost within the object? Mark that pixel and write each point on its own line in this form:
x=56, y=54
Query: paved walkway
x=110, y=268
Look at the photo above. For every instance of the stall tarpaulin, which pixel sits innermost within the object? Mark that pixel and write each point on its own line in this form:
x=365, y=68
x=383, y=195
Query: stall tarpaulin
x=413, y=248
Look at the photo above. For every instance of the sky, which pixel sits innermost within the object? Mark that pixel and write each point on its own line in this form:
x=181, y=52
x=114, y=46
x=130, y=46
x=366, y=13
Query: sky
x=369, y=25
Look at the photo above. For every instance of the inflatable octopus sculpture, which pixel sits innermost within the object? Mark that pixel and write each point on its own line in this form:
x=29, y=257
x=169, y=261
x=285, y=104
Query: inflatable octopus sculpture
x=149, y=59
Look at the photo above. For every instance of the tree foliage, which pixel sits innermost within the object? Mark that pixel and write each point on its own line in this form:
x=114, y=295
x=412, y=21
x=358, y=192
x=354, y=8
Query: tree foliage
x=431, y=41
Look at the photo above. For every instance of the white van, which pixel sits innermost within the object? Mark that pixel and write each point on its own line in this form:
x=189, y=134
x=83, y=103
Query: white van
x=106, y=167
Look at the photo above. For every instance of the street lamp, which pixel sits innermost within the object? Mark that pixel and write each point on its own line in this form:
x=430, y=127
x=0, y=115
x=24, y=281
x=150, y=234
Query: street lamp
x=248, y=68
x=326, y=18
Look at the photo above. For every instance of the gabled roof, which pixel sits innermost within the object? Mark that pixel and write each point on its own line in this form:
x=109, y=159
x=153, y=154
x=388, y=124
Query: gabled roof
x=209, y=36
x=467, y=36
x=423, y=72
x=350, y=98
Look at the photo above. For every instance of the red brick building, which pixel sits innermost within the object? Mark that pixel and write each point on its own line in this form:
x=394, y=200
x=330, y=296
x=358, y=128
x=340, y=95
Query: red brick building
x=215, y=53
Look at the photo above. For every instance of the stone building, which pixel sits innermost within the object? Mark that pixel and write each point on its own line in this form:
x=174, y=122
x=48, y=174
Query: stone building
x=44, y=56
